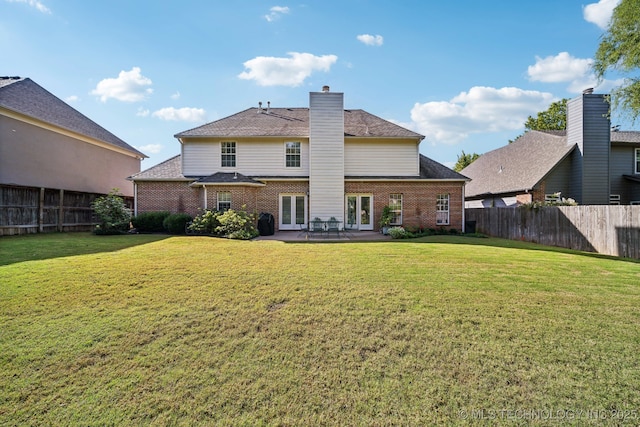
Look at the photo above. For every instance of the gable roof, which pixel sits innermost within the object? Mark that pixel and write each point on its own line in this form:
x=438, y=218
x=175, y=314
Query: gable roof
x=169, y=170
x=518, y=166
x=24, y=96
x=294, y=122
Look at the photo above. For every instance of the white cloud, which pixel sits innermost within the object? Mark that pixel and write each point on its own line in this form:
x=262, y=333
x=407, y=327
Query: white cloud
x=564, y=68
x=72, y=98
x=560, y=68
x=129, y=86
x=150, y=148
x=480, y=110
x=271, y=71
x=600, y=13
x=370, y=40
x=33, y=3
x=275, y=12
x=142, y=112
x=175, y=95
x=185, y=114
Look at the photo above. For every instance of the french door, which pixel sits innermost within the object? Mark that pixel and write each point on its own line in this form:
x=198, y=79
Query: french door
x=293, y=211
x=359, y=211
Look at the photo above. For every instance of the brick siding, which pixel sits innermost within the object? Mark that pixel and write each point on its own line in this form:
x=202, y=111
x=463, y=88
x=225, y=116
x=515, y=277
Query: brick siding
x=418, y=198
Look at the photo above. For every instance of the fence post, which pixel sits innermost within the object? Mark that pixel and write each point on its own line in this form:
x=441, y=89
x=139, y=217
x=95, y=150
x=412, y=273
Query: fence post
x=61, y=211
x=41, y=211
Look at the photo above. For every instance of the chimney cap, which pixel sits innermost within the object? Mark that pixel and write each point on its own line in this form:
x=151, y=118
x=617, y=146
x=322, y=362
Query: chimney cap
x=325, y=88
x=587, y=91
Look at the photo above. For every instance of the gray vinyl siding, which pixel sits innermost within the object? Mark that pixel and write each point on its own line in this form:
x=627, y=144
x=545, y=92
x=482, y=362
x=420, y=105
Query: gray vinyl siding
x=559, y=179
x=588, y=126
x=622, y=159
x=381, y=158
x=326, y=155
x=200, y=158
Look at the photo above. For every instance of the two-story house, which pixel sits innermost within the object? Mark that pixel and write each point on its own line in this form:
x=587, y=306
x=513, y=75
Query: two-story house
x=304, y=163
x=589, y=162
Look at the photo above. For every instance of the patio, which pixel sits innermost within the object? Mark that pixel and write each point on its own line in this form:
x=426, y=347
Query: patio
x=352, y=236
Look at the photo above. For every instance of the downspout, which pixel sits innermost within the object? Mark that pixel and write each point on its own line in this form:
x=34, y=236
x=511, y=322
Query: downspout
x=464, y=228
x=135, y=198
x=204, y=188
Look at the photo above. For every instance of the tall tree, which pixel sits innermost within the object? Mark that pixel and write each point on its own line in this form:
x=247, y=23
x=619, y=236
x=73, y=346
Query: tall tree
x=465, y=160
x=619, y=50
x=553, y=118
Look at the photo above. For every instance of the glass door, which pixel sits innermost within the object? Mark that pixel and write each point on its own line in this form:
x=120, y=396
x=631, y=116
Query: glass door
x=359, y=212
x=293, y=208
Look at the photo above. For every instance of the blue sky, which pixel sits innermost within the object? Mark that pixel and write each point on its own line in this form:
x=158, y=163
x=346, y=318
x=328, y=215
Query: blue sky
x=464, y=73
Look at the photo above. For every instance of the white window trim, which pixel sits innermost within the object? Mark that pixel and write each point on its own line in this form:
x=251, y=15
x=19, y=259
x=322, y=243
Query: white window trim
x=235, y=154
x=440, y=211
x=637, y=161
x=399, y=216
x=299, y=154
x=224, y=201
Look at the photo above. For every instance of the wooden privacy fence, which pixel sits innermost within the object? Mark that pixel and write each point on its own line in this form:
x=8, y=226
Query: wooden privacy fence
x=26, y=210
x=610, y=230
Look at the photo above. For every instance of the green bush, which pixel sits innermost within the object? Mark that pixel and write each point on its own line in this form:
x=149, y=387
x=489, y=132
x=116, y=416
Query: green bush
x=237, y=224
x=176, y=223
x=397, y=233
x=112, y=213
x=205, y=223
x=150, y=222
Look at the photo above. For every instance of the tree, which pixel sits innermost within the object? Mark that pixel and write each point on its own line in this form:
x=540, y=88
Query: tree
x=619, y=50
x=113, y=215
x=465, y=160
x=553, y=118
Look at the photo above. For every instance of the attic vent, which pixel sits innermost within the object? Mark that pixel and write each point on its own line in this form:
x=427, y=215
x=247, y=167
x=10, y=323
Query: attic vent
x=259, y=107
x=268, y=107
x=325, y=88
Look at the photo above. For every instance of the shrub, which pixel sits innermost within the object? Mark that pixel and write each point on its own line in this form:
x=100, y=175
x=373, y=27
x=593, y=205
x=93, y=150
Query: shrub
x=177, y=223
x=205, y=223
x=398, y=233
x=113, y=215
x=150, y=222
x=237, y=224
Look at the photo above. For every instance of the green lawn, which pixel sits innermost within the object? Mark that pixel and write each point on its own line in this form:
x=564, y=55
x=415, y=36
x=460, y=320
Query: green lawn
x=157, y=330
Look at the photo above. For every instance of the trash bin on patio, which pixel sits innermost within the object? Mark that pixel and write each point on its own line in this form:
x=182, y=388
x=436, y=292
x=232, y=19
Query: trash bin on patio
x=266, y=225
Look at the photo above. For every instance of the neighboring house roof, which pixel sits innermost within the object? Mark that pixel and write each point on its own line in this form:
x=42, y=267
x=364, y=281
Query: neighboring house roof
x=517, y=167
x=294, y=122
x=170, y=170
x=24, y=96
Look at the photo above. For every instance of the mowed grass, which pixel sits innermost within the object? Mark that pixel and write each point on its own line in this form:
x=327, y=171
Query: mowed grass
x=152, y=330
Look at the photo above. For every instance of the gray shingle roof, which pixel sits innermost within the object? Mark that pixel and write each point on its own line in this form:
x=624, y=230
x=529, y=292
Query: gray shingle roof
x=228, y=178
x=295, y=122
x=169, y=170
x=518, y=166
x=24, y=96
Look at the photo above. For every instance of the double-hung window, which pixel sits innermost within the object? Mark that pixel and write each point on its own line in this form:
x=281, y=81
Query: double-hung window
x=292, y=154
x=442, y=209
x=224, y=201
x=395, y=204
x=228, y=154
x=637, y=160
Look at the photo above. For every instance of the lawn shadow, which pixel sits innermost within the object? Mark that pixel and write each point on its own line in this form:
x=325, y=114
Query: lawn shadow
x=33, y=247
x=515, y=244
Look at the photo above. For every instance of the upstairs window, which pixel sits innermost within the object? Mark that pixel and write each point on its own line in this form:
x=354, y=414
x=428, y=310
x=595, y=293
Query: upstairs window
x=442, y=209
x=228, y=154
x=224, y=201
x=292, y=154
x=395, y=204
x=637, y=160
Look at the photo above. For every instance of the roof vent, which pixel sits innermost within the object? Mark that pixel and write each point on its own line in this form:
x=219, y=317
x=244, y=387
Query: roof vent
x=615, y=128
x=588, y=91
x=259, y=107
x=325, y=88
x=268, y=107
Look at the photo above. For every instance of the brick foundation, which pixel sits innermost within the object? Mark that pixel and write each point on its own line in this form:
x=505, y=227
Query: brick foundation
x=418, y=198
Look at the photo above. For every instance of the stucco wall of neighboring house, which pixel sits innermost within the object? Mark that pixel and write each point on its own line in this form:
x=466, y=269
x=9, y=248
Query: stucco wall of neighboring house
x=419, y=198
x=36, y=157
